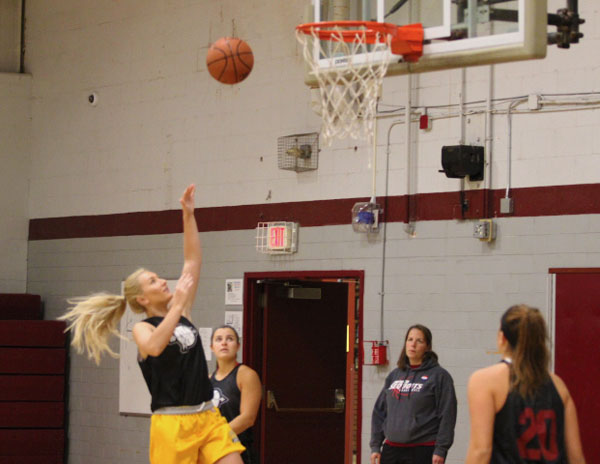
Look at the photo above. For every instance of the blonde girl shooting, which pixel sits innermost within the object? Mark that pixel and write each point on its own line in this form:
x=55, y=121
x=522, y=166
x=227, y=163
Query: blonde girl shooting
x=185, y=427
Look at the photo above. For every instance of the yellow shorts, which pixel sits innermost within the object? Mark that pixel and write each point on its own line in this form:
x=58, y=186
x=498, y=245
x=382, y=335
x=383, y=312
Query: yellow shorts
x=202, y=437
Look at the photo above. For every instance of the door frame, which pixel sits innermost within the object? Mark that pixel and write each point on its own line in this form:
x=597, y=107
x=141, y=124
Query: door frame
x=252, y=329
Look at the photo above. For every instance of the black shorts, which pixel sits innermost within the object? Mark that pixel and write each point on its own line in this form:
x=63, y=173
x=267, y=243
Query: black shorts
x=406, y=454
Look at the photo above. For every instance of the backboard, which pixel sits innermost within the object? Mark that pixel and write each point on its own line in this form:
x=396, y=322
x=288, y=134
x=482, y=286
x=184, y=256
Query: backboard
x=457, y=33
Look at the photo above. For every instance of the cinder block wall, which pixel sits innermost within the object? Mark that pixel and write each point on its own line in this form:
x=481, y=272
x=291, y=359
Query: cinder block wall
x=15, y=143
x=443, y=278
x=162, y=122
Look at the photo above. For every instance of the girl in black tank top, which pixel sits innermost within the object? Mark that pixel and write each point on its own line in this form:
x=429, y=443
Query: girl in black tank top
x=530, y=429
x=520, y=412
x=185, y=426
x=237, y=389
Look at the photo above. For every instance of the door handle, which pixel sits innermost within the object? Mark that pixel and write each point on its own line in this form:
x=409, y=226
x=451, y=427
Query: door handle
x=272, y=404
x=340, y=398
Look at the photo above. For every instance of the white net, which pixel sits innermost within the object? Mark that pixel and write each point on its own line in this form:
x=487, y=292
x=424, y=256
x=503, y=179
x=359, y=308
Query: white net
x=349, y=87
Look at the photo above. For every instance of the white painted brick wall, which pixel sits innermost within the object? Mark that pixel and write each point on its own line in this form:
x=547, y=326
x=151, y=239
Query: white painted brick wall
x=162, y=121
x=459, y=292
x=15, y=135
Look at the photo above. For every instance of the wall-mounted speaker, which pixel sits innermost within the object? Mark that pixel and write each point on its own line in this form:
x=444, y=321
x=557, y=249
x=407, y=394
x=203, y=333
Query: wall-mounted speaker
x=459, y=161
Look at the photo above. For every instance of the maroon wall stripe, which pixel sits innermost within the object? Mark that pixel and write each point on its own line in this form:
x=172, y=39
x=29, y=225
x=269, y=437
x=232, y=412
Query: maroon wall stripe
x=307, y=213
x=473, y=204
x=553, y=201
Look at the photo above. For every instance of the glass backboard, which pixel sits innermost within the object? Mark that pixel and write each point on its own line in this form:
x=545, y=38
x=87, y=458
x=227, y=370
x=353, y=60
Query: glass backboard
x=457, y=33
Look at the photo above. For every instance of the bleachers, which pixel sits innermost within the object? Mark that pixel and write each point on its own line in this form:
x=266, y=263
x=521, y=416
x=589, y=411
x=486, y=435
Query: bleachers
x=33, y=383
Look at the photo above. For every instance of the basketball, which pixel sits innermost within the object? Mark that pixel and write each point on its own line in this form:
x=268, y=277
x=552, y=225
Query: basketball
x=229, y=60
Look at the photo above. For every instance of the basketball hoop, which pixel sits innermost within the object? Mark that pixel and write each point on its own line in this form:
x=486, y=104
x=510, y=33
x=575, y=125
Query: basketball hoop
x=349, y=60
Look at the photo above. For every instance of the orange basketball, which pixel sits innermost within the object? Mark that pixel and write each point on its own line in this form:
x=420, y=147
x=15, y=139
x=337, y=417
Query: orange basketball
x=229, y=60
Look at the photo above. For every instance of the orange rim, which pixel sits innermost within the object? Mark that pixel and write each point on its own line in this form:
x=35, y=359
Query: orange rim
x=326, y=30
x=406, y=40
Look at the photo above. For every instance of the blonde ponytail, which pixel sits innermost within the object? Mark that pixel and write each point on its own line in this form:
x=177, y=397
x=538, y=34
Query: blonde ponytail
x=525, y=329
x=93, y=319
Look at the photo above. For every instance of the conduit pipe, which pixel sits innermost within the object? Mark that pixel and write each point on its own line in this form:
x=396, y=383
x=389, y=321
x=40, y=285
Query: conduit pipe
x=489, y=136
x=513, y=105
x=409, y=228
x=384, y=227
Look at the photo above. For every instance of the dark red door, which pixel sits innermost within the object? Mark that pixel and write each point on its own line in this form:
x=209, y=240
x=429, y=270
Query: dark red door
x=304, y=372
x=577, y=355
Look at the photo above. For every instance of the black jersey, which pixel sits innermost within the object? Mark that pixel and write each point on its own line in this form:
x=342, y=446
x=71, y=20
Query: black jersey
x=531, y=430
x=178, y=376
x=229, y=398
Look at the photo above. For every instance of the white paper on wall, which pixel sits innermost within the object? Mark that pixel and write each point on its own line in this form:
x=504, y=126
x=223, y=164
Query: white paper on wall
x=234, y=292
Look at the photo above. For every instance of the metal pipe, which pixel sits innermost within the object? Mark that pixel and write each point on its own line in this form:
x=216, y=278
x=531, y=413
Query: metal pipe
x=509, y=145
x=384, y=227
x=509, y=152
x=461, y=104
x=410, y=227
x=573, y=6
x=374, y=160
x=489, y=135
x=472, y=25
x=22, y=40
x=341, y=10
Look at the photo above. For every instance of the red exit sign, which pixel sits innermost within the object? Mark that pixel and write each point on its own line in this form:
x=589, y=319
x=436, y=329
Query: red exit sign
x=278, y=238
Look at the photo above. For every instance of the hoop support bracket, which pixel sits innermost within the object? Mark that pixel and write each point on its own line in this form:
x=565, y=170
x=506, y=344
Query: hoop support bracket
x=408, y=42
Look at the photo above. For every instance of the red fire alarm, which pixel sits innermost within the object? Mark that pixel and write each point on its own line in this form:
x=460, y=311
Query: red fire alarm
x=424, y=122
x=375, y=352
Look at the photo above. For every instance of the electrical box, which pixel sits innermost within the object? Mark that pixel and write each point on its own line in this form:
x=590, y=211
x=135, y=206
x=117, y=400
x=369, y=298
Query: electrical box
x=485, y=230
x=506, y=205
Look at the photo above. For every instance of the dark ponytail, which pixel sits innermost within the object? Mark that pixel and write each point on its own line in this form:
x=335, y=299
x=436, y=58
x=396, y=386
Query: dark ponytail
x=525, y=329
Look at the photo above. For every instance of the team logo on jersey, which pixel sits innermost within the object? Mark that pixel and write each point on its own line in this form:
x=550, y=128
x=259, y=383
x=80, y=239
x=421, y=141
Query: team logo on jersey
x=185, y=337
x=219, y=397
x=403, y=387
x=424, y=377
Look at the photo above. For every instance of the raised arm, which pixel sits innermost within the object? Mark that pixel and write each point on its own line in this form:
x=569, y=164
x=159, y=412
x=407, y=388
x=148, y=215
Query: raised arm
x=251, y=388
x=192, y=250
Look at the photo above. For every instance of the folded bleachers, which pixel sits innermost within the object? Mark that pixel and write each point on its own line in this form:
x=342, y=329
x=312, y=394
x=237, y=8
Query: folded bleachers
x=33, y=383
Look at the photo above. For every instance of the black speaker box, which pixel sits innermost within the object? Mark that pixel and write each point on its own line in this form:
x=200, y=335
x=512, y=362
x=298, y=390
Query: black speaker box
x=459, y=161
